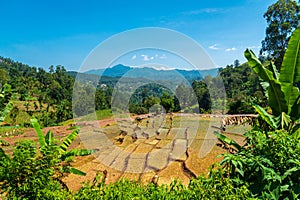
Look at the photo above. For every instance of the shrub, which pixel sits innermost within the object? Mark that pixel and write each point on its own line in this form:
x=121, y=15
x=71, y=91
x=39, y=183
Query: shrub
x=270, y=164
x=29, y=175
x=216, y=186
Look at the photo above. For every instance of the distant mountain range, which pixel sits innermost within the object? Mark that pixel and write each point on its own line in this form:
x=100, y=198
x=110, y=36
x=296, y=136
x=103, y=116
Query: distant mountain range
x=152, y=73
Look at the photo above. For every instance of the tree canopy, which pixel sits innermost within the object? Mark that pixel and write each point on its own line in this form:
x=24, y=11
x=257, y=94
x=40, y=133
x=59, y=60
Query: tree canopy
x=282, y=19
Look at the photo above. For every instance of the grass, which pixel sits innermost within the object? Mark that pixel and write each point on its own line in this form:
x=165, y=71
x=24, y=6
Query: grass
x=100, y=115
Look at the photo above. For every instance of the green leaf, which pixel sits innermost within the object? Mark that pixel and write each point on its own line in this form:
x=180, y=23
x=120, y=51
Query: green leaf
x=49, y=139
x=269, y=119
x=290, y=73
x=77, y=152
x=274, y=70
x=289, y=172
x=262, y=72
x=291, y=95
x=77, y=171
x=283, y=120
x=265, y=85
x=276, y=96
x=9, y=106
x=290, y=69
x=2, y=154
x=227, y=140
x=39, y=132
x=70, y=138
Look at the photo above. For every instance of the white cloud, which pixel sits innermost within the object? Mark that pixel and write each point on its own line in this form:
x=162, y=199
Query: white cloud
x=163, y=56
x=214, y=47
x=231, y=49
x=202, y=11
x=133, y=57
x=145, y=57
x=151, y=58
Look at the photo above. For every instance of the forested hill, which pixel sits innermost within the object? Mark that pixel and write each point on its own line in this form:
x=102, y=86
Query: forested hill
x=152, y=73
x=47, y=95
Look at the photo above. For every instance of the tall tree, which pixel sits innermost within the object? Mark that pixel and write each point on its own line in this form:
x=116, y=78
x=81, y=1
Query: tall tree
x=282, y=19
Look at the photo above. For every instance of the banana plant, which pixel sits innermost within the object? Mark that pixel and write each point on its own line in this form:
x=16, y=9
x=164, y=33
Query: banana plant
x=282, y=91
x=49, y=141
x=9, y=106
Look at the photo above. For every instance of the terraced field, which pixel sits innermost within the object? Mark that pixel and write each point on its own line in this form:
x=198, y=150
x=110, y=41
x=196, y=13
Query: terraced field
x=144, y=148
x=150, y=148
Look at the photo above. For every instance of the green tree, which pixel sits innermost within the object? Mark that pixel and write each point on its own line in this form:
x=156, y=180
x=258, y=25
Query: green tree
x=167, y=101
x=4, y=77
x=282, y=18
x=236, y=63
x=201, y=90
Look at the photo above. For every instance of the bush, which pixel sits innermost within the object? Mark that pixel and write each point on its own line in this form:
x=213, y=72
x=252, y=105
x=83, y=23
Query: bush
x=216, y=186
x=28, y=175
x=270, y=164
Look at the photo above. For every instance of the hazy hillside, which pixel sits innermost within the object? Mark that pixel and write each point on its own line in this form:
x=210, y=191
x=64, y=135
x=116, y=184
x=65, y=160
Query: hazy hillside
x=152, y=73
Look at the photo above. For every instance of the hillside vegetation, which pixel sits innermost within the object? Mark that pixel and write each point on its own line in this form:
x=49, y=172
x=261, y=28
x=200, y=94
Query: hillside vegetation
x=265, y=165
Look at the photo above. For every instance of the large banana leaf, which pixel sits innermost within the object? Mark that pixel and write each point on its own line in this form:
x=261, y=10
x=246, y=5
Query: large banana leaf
x=276, y=96
x=295, y=111
x=290, y=70
x=77, y=171
x=227, y=140
x=66, y=143
x=49, y=139
x=262, y=72
x=283, y=120
x=265, y=116
x=291, y=94
x=77, y=152
x=274, y=70
x=39, y=132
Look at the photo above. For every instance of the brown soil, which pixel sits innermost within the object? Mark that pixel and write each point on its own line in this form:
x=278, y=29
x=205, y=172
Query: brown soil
x=158, y=158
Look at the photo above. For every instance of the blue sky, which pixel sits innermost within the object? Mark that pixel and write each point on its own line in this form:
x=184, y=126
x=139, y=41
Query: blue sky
x=44, y=33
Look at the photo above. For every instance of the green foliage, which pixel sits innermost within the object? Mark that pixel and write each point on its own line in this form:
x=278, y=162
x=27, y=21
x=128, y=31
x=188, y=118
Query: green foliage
x=148, y=98
x=28, y=175
x=9, y=106
x=52, y=91
x=4, y=77
x=202, y=95
x=282, y=19
x=269, y=119
x=215, y=186
x=227, y=140
x=242, y=89
x=283, y=94
x=47, y=142
x=167, y=101
x=275, y=95
x=270, y=164
x=5, y=104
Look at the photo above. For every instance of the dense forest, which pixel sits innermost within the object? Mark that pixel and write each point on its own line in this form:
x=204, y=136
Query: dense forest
x=47, y=95
x=262, y=163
